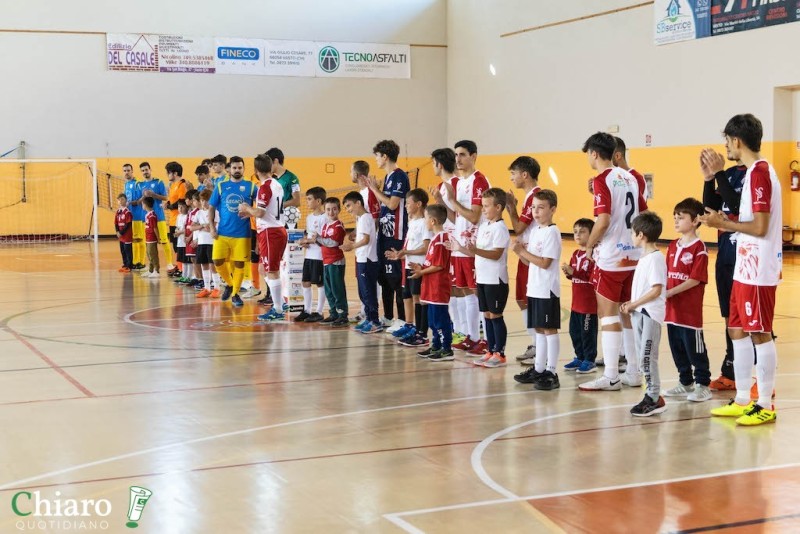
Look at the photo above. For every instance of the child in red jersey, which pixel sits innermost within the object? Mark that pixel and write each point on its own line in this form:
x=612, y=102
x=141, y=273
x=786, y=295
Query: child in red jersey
x=583, y=314
x=124, y=223
x=151, y=238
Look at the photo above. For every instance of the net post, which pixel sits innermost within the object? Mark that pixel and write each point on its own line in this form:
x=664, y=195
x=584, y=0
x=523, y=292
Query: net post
x=95, y=224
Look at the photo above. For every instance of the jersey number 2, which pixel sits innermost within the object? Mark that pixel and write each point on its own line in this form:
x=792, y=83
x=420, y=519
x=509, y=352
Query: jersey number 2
x=631, y=209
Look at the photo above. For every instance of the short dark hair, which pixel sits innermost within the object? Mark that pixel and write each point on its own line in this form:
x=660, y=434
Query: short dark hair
x=148, y=201
x=128, y=165
x=445, y=157
x=620, y=146
x=418, y=195
x=207, y=161
x=235, y=159
x=182, y=202
x=648, y=224
x=353, y=196
x=122, y=195
x=467, y=145
x=262, y=163
x=174, y=166
x=690, y=206
x=144, y=164
x=193, y=194
x=318, y=193
x=437, y=212
x=205, y=194
x=333, y=200
x=547, y=194
x=747, y=128
x=584, y=223
x=602, y=143
x=361, y=167
x=496, y=194
x=201, y=169
x=526, y=164
x=275, y=153
x=219, y=158
x=388, y=148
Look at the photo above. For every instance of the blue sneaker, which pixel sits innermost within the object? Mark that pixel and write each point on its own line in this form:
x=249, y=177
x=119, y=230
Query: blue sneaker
x=586, y=367
x=266, y=316
x=372, y=328
x=237, y=301
x=404, y=331
x=407, y=339
x=360, y=326
x=226, y=293
x=573, y=365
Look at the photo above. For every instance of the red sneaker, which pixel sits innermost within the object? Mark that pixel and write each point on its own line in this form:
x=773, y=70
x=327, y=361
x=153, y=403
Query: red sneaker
x=754, y=391
x=467, y=344
x=722, y=384
x=480, y=348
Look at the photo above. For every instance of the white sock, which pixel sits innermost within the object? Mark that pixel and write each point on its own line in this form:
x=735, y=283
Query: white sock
x=452, y=309
x=629, y=348
x=765, y=372
x=541, y=353
x=461, y=328
x=320, y=300
x=743, y=357
x=207, y=279
x=276, y=288
x=217, y=280
x=307, y=299
x=472, y=316
x=553, y=348
x=612, y=341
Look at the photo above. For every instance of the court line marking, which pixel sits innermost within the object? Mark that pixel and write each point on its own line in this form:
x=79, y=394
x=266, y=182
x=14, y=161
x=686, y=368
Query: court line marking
x=510, y=497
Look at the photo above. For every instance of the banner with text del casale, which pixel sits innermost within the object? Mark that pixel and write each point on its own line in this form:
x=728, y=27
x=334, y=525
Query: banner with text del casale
x=159, y=53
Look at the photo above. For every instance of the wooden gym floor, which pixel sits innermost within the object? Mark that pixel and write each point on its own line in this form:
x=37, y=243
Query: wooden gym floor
x=109, y=381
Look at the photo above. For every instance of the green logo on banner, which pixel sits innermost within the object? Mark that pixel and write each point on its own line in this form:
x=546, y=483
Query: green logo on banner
x=329, y=59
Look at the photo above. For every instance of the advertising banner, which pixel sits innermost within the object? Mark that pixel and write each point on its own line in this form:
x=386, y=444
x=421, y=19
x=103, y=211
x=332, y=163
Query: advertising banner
x=363, y=60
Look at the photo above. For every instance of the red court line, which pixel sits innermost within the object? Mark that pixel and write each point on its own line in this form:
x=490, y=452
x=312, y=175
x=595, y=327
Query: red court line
x=361, y=453
x=50, y=362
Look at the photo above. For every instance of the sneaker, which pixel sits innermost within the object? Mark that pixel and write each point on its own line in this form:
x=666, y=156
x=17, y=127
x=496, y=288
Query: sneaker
x=340, y=322
x=154, y=275
x=757, y=416
x=214, y=293
x=630, y=379
x=226, y=293
x=442, y=356
x=427, y=353
x=302, y=316
x=602, y=384
x=679, y=391
x=574, y=365
x=396, y=325
x=407, y=329
x=547, y=381
x=123, y=269
x=415, y=341
x=700, y=394
x=530, y=352
x=586, y=368
x=528, y=376
x=357, y=318
x=387, y=322
x=272, y=315
x=328, y=320
x=466, y=344
x=263, y=302
x=458, y=337
x=360, y=326
x=754, y=392
x=649, y=407
x=483, y=359
x=203, y=294
x=313, y=317
x=528, y=362
x=722, y=383
x=496, y=360
x=267, y=300
x=406, y=339
x=237, y=301
x=372, y=328
x=732, y=409
x=481, y=347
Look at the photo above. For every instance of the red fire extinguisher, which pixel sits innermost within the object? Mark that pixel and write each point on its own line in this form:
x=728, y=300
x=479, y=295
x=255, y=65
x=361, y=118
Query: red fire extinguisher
x=795, y=168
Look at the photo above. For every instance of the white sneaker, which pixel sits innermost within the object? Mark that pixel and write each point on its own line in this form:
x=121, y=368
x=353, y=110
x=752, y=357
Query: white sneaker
x=528, y=362
x=602, y=384
x=700, y=394
x=396, y=325
x=680, y=391
x=154, y=275
x=630, y=379
x=386, y=322
x=530, y=352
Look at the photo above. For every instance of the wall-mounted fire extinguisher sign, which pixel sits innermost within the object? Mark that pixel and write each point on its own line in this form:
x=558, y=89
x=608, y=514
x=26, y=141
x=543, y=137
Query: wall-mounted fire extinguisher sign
x=795, y=168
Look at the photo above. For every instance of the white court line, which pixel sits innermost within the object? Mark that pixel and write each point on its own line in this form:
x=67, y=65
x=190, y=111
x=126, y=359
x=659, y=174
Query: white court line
x=510, y=497
x=249, y=431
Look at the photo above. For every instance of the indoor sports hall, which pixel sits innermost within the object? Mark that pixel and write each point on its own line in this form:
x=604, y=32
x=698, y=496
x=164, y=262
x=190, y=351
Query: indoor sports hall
x=132, y=402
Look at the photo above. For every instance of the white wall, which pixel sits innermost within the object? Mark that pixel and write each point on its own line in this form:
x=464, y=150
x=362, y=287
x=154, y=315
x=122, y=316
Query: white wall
x=556, y=86
x=58, y=96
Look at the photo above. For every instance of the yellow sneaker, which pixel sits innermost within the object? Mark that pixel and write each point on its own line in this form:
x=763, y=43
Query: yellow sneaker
x=732, y=409
x=757, y=416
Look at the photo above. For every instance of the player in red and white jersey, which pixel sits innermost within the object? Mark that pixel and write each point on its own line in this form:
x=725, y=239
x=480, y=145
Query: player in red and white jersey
x=272, y=237
x=759, y=257
x=620, y=160
x=359, y=173
x=617, y=201
x=524, y=175
x=468, y=208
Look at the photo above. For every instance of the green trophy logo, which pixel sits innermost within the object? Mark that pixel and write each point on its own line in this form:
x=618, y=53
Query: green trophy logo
x=139, y=497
